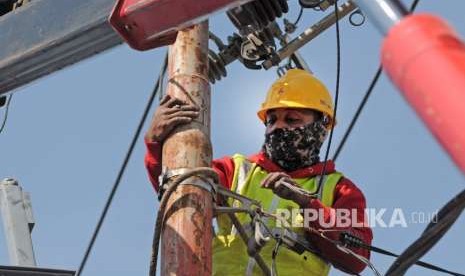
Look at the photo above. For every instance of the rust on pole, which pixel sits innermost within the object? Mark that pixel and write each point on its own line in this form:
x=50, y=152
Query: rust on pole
x=187, y=236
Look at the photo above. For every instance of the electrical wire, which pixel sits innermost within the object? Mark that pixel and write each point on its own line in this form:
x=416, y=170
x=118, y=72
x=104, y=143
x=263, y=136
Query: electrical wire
x=353, y=241
x=340, y=246
x=414, y=5
x=447, y=216
x=122, y=170
x=298, y=17
x=432, y=234
x=346, y=240
x=359, y=257
x=209, y=172
x=362, y=104
x=289, y=27
x=336, y=100
x=5, y=116
x=314, y=6
x=274, y=254
x=137, y=134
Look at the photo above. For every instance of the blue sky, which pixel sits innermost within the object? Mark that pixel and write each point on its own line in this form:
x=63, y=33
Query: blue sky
x=67, y=135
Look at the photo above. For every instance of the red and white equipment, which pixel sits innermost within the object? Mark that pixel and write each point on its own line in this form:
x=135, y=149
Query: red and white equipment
x=147, y=24
x=425, y=58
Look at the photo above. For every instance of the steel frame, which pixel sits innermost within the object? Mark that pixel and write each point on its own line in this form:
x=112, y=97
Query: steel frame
x=46, y=36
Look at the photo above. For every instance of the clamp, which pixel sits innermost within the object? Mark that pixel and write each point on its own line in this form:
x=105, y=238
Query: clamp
x=204, y=182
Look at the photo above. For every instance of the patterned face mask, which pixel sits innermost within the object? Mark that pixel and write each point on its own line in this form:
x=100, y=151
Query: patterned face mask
x=295, y=148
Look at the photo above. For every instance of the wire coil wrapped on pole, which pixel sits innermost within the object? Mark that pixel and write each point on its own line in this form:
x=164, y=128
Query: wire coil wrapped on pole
x=206, y=172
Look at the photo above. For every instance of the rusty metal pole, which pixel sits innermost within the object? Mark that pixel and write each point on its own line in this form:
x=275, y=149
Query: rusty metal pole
x=187, y=235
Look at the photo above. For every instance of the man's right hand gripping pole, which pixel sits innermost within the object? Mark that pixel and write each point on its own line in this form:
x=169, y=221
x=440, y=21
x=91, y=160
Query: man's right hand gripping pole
x=170, y=113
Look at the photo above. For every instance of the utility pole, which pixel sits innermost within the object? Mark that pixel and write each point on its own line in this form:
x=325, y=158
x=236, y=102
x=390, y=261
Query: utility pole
x=187, y=235
x=17, y=222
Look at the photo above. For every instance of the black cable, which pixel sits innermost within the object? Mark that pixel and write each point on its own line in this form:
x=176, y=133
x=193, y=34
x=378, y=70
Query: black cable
x=357, y=113
x=289, y=27
x=414, y=5
x=353, y=241
x=121, y=171
x=274, y=254
x=433, y=233
x=311, y=4
x=338, y=76
x=419, y=263
x=364, y=101
x=5, y=116
x=337, y=264
x=209, y=172
x=299, y=16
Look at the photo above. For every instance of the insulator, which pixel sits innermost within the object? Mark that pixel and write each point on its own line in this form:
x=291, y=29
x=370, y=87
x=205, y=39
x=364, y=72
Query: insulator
x=310, y=4
x=267, y=35
x=219, y=43
x=6, y=6
x=350, y=240
x=216, y=67
x=257, y=14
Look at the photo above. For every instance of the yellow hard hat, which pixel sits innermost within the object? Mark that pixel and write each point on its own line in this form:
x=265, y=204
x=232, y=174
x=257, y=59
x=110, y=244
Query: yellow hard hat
x=298, y=89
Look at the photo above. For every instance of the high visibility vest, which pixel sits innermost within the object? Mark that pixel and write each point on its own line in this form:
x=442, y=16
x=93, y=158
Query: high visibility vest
x=230, y=252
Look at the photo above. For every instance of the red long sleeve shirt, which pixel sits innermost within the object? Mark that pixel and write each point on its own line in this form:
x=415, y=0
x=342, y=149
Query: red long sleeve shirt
x=346, y=196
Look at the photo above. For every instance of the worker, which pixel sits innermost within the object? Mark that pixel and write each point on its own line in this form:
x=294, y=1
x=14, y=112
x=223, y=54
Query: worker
x=297, y=114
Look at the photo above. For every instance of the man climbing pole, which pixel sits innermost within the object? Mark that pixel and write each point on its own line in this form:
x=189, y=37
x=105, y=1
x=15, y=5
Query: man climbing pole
x=286, y=174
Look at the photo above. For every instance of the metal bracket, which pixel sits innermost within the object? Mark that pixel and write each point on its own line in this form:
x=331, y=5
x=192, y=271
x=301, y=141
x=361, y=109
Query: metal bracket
x=247, y=204
x=259, y=238
x=309, y=34
x=260, y=233
x=59, y=33
x=203, y=182
x=293, y=241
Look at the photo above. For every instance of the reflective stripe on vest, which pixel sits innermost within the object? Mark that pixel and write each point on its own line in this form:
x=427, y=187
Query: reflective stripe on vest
x=230, y=253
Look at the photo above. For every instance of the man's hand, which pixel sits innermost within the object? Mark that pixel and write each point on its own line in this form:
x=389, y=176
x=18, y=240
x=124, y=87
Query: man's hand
x=170, y=113
x=283, y=186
